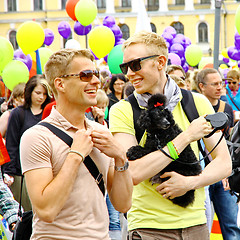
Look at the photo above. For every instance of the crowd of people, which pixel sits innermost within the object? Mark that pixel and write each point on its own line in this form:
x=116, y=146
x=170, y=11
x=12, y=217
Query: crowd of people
x=92, y=107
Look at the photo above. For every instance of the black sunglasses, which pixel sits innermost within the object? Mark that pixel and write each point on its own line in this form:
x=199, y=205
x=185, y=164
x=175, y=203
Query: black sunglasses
x=234, y=82
x=85, y=75
x=134, y=65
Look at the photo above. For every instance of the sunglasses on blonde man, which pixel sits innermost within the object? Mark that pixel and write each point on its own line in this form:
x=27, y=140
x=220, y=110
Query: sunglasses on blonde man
x=85, y=75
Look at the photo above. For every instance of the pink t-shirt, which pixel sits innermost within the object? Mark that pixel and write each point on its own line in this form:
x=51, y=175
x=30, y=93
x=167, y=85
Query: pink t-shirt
x=85, y=214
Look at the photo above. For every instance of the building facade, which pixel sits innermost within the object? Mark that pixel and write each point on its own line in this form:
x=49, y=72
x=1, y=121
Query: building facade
x=194, y=18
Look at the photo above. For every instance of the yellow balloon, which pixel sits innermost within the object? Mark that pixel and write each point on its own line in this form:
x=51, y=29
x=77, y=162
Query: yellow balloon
x=224, y=53
x=223, y=66
x=30, y=36
x=101, y=41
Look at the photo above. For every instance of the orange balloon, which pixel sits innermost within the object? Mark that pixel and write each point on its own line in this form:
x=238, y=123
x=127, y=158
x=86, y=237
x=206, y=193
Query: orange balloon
x=209, y=65
x=70, y=8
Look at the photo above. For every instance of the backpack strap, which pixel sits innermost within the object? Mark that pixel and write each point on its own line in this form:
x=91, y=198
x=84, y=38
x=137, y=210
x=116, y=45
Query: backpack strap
x=233, y=101
x=221, y=106
x=191, y=112
x=136, y=113
x=89, y=163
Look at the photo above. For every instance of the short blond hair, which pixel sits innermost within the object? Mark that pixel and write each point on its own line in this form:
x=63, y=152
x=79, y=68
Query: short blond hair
x=102, y=97
x=59, y=62
x=155, y=42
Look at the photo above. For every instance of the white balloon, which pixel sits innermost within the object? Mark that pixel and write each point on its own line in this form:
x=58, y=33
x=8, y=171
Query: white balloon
x=73, y=44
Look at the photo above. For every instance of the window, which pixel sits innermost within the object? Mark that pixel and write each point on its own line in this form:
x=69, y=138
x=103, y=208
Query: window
x=101, y=3
x=205, y=1
x=12, y=39
x=38, y=5
x=153, y=5
x=126, y=3
x=12, y=5
x=178, y=27
x=63, y=4
x=154, y=29
x=202, y=33
x=125, y=31
x=180, y=2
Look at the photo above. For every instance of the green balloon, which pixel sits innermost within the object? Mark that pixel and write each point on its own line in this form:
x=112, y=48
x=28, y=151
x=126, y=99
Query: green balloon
x=6, y=52
x=193, y=55
x=14, y=73
x=115, y=57
x=237, y=19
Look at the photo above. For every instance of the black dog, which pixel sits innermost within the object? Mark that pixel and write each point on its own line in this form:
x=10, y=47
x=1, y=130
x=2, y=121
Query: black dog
x=161, y=129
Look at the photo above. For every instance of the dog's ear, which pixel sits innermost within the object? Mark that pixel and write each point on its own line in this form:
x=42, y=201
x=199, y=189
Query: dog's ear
x=144, y=120
x=157, y=100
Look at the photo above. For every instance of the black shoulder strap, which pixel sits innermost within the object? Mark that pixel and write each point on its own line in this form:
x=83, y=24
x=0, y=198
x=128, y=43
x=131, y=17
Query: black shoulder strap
x=191, y=112
x=89, y=163
x=233, y=101
x=136, y=113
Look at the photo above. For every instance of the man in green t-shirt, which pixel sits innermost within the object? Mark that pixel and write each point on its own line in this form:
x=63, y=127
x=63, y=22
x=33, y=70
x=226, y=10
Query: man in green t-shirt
x=152, y=215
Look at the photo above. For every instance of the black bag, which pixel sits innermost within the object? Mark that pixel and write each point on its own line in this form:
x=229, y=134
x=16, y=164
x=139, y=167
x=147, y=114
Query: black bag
x=234, y=149
x=23, y=228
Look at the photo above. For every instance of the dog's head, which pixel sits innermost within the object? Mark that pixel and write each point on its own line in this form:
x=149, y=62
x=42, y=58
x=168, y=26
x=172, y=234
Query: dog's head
x=156, y=116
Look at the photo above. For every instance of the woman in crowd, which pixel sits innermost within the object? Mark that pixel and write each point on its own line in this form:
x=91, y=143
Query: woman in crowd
x=36, y=95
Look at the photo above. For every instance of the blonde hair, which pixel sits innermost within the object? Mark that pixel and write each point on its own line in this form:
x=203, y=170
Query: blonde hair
x=59, y=62
x=179, y=81
x=18, y=90
x=102, y=97
x=155, y=42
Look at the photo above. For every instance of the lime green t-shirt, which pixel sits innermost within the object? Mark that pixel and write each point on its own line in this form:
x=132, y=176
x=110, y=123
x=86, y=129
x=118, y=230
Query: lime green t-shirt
x=149, y=209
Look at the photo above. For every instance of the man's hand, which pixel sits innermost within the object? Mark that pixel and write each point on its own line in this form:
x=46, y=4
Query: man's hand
x=225, y=184
x=177, y=185
x=98, y=114
x=8, y=179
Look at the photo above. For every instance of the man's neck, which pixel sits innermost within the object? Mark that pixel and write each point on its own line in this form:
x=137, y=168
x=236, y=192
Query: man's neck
x=214, y=102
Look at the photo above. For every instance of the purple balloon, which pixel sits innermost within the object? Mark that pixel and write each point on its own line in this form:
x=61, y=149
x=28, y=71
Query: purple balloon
x=174, y=59
x=225, y=71
x=109, y=21
x=178, y=49
x=226, y=60
x=237, y=44
x=27, y=59
x=238, y=63
x=180, y=38
x=106, y=58
x=187, y=42
x=168, y=37
x=96, y=58
x=233, y=53
x=79, y=29
x=116, y=30
x=49, y=36
x=120, y=41
x=183, y=60
x=185, y=67
x=64, y=29
x=237, y=37
x=171, y=30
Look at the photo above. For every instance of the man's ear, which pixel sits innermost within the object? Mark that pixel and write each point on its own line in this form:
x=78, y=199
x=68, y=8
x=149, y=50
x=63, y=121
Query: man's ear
x=161, y=62
x=59, y=84
x=200, y=86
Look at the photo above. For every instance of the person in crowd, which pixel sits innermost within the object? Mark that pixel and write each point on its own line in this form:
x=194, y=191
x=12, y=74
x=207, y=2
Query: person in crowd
x=225, y=205
x=67, y=201
x=152, y=215
x=232, y=89
x=179, y=81
x=176, y=70
x=128, y=90
x=17, y=99
x=37, y=94
x=116, y=86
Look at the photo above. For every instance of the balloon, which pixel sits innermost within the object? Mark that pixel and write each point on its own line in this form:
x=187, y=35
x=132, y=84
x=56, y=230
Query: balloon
x=205, y=61
x=226, y=60
x=237, y=19
x=64, y=29
x=120, y=41
x=49, y=36
x=101, y=41
x=185, y=67
x=116, y=30
x=233, y=53
x=171, y=30
x=6, y=52
x=225, y=71
x=44, y=54
x=27, y=59
x=70, y=8
x=174, y=59
x=14, y=73
x=168, y=37
x=106, y=58
x=85, y=11
x=187, y=42
x=180, y=38
x=224, y=53
x=223, y=66
x=79, y=29
x=72, y=43
x=193, y=55
x=30, y=36
x=109, y=21
x=115, y=57
x=178, y=49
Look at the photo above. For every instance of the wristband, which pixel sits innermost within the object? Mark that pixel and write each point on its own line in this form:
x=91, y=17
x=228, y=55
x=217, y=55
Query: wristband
x=172, y=151
x=175, y=148
x=78, y=153
x=123, y=168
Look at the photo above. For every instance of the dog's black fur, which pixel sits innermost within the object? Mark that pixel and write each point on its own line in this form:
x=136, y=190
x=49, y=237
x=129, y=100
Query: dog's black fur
x=161, y=129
